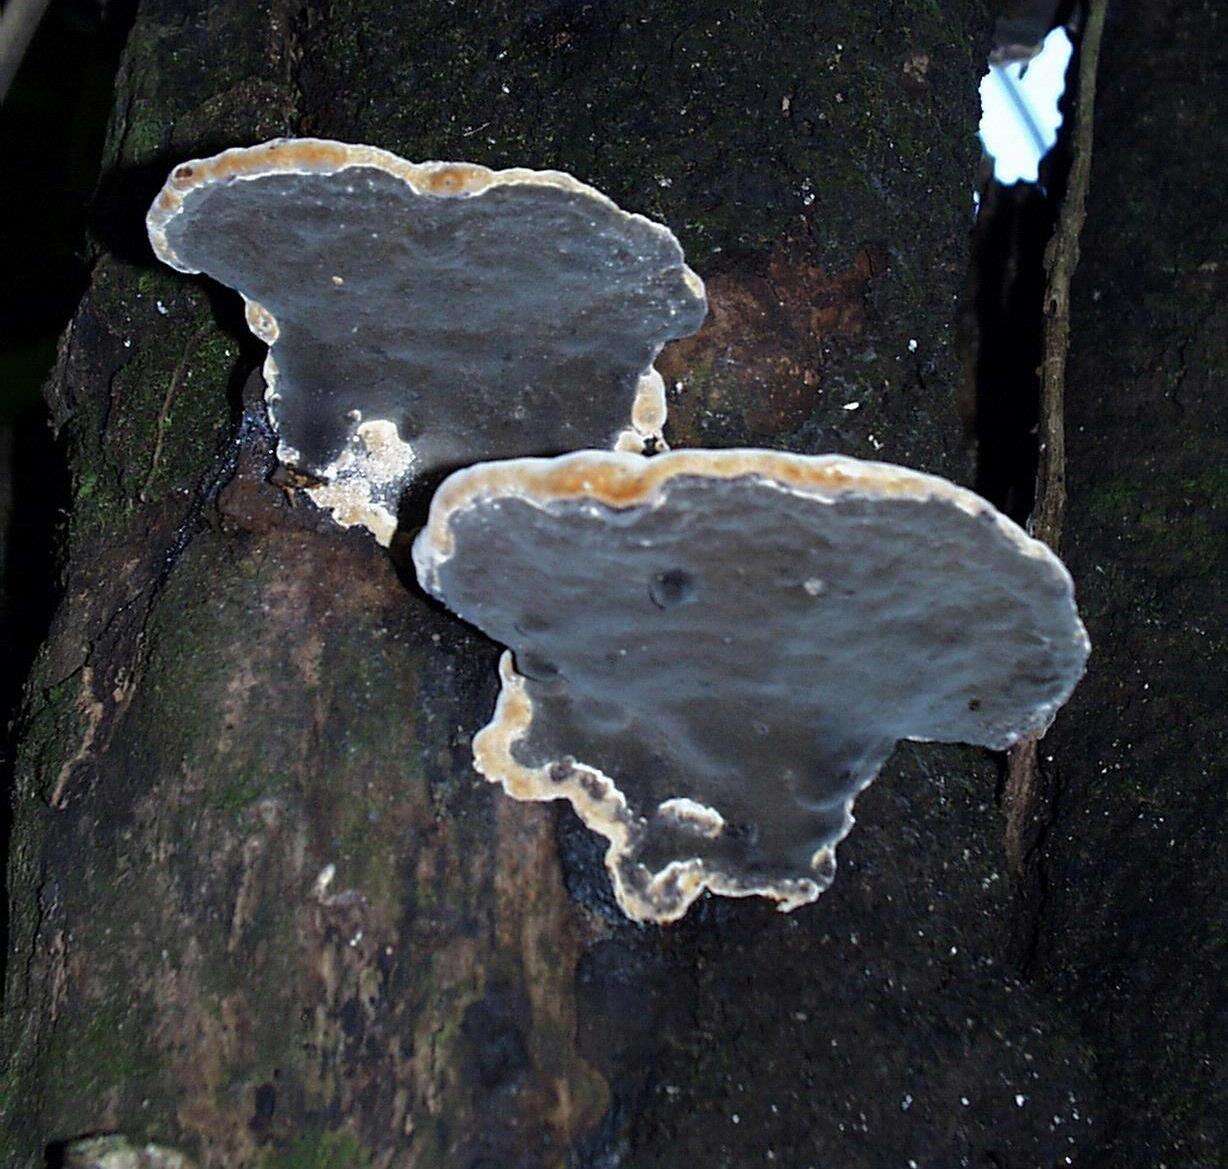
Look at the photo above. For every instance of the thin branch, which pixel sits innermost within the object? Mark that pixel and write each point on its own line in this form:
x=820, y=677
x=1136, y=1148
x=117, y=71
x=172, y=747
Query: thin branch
x=1023, y=784
x=1061, y=260
x=1024, y=801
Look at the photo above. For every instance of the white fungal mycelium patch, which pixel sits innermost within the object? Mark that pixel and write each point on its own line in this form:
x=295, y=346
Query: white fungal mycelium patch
x=363, y=485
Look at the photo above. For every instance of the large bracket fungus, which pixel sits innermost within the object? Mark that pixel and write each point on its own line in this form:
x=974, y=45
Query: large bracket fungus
x=715, y=651
x=422, y=316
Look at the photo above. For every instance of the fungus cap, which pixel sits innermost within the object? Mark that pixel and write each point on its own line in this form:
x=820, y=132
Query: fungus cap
x=422, y=316
x=713, y=652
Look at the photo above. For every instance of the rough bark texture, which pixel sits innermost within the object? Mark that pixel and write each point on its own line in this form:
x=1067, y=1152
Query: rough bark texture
x=1131, y=923
x=265, y=913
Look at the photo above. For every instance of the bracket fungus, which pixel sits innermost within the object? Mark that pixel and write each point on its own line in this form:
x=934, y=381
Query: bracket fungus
x=423, y=316
x=713, y=652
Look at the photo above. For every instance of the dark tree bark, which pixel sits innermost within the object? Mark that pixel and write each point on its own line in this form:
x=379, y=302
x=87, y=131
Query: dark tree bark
x=1131, y=920
x=264, y=912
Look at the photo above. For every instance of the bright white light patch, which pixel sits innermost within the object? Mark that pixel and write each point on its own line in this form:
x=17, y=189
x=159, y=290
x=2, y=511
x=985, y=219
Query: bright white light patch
x=1019, y=114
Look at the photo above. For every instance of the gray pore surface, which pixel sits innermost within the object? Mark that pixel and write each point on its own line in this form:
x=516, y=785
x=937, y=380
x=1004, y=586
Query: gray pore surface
x=513, y=321
x=759, y=651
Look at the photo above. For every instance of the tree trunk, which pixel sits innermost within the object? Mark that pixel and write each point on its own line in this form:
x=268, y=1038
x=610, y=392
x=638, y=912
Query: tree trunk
x=1131, y=922
x=264, y=911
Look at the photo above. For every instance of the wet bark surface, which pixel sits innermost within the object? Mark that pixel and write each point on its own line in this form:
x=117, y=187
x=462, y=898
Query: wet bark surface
x=263, y=910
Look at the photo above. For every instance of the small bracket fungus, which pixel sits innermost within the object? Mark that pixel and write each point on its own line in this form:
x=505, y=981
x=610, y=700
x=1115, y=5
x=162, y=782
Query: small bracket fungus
x=715, y=651
x=422, y=316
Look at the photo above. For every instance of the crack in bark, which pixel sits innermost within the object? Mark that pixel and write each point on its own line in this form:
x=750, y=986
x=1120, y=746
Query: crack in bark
x=120, y=644
x=1029, y=796
x=176, y=383
x=291, y=23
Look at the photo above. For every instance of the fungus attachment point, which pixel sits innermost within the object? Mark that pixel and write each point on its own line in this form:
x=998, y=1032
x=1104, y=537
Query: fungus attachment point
x=737, y=640
x=471, y=313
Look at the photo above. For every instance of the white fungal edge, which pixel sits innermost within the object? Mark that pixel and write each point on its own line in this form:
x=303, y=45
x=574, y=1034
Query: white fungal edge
x=321, y=156
x=643, y=895
x=621, y=479
x=692, y=816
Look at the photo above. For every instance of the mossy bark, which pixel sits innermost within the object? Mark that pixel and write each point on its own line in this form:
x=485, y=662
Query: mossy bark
x=264, y=911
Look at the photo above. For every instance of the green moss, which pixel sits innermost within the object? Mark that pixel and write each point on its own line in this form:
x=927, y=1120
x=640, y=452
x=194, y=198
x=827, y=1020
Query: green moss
x=1115, y=498
x=195, y=676
x=236, y=793
x=173, y=407
x=144, y=137
x=99, y=1051
x=157, y=431
x=10, y=1151
x=1173, y=531
x=86, y=482
x=111, y=1056
x=711, y=119
x=374, y=858
x=1209, y=486
x=336, y=1149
